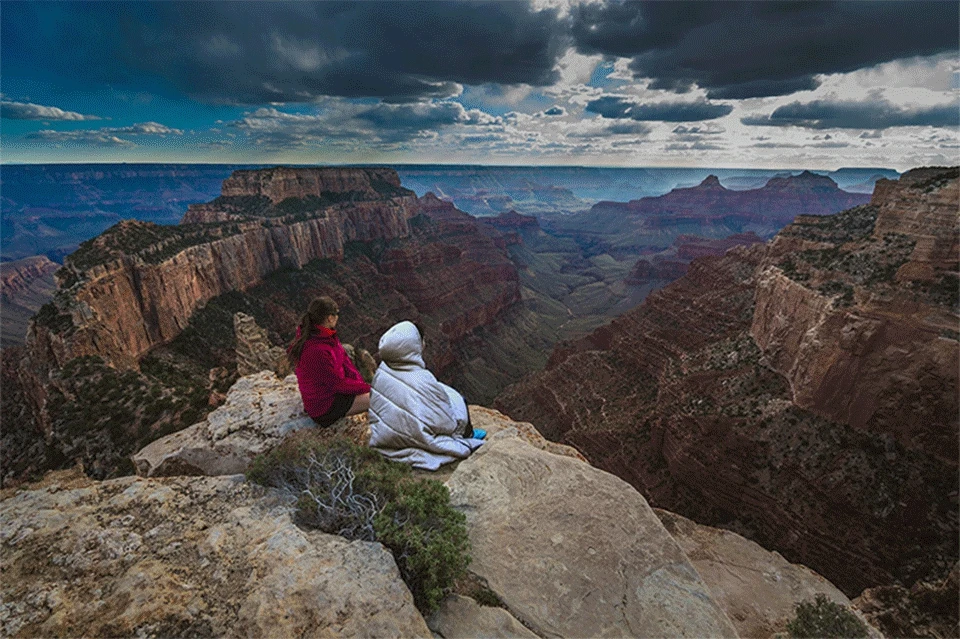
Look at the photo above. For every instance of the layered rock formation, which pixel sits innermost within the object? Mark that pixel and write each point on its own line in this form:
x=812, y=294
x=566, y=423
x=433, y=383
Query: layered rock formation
x=160, y=303
x=255, y=353
x=25, y=286
x=707, y=210
x=802, y=393
x=671, y=264
x=783, y=197
x=137, y=285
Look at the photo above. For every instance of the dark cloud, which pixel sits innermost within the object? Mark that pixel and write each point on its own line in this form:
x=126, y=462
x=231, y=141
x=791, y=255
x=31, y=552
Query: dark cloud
x=555, y=111
x=422, y=116
x=26, y=111
x=251, y=53
x=624, y=108
x=751, y=49
x=876, y=115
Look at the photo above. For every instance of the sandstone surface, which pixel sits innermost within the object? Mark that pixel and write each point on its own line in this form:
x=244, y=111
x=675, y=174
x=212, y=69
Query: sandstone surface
x=260, y=411
x=573, y=551
x=188, y=557
x=758, y=589
x=463, y=618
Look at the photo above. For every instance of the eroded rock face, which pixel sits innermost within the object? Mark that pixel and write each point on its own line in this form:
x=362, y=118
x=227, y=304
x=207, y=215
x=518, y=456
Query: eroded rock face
x=281, y=183
x=259, y=412
x=573, y=551
x=188, y=557
x=122, y=307
x=801, y=393
x=758, y=589
x=255, y=353
x=25, y=286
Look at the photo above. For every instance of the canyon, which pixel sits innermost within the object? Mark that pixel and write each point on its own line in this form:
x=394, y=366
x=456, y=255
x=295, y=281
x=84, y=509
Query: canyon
x=144, y=313
x=802, y=393
x=707, y=210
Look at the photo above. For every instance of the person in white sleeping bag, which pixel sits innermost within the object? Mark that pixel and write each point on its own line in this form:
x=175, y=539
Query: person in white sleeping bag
x=414, y=418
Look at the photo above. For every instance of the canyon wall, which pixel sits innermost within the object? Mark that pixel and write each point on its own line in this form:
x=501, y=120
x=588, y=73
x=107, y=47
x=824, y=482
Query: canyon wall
x=25, y=286
x=152, y=307
x=803, y=392
x=124, y=303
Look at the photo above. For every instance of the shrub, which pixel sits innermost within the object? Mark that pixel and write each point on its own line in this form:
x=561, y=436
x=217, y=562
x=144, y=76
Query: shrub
x=824, y=618
x=350, y=490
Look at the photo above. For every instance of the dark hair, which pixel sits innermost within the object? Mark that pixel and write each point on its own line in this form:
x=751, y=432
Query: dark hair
x=319, y=309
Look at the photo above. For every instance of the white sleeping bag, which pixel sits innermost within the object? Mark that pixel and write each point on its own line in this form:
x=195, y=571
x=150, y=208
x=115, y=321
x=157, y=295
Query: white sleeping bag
x=414, y=418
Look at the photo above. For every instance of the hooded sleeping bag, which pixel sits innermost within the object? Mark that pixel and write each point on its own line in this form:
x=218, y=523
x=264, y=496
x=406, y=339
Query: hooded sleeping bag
x=413, y=417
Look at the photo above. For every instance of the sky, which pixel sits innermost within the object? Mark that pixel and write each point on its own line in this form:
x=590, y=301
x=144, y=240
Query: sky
x=818, y=85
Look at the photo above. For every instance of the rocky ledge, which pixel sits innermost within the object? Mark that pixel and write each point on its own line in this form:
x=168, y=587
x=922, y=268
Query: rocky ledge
x=569, y=550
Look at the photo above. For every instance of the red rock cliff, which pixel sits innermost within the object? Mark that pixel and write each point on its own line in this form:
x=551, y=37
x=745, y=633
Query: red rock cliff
x=121, y=302
x=801, y=393
x=281, y=183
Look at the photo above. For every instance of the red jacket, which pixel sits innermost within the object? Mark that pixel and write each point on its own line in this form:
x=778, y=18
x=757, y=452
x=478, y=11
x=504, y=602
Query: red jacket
x=324, y=370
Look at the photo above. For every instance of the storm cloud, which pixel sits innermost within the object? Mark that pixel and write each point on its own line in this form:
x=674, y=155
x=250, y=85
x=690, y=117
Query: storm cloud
x=620, y=107
x=869, y=114
x=741, y=50
x=252, y=53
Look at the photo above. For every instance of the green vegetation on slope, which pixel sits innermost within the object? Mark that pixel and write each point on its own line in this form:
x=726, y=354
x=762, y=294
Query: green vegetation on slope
x=352, y=491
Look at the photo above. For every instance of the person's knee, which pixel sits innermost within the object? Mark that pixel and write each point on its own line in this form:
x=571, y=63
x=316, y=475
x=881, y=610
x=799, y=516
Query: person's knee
x=361, y=403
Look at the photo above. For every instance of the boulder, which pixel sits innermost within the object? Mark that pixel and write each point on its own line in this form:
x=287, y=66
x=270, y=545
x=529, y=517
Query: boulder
x=463, y=618
x=260, y=411
x=188, y=556
x=757, y=588
x=573, y=551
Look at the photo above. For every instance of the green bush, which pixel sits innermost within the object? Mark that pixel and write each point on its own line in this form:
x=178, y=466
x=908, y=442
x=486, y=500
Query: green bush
x=822, y=618
x=350, y=490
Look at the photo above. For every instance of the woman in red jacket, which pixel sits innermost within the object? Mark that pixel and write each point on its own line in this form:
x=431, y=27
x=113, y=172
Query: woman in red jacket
x=330, y=385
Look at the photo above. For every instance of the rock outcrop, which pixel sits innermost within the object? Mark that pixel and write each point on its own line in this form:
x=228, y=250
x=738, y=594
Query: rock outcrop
x=255, y=353
x=575, y=552
x=802, y=393
x=923, y=610
x=758, y=589
x=565, y=549
x=260, y=411
x=463, y=618
x=188, y=557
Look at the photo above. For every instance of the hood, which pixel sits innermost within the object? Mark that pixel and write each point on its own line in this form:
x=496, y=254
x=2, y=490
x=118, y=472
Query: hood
x=401, y=347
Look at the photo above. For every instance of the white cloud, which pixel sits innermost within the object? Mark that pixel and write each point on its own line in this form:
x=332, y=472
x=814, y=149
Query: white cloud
x=27, y=111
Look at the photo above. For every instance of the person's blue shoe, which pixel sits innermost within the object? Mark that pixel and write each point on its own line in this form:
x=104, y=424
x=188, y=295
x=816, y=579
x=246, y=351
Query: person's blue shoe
x=479, y=433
